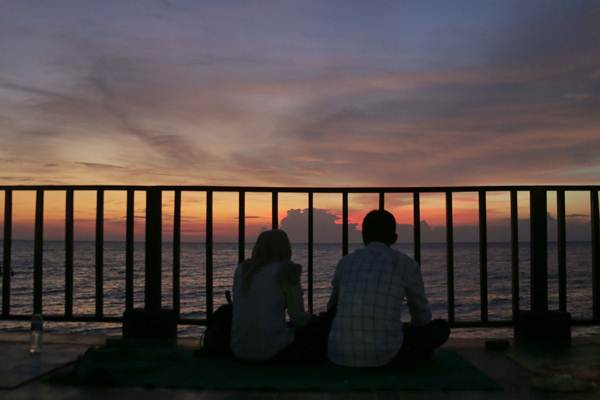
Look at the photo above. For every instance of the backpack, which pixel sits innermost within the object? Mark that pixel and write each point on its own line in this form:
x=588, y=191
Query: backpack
x=217, y=335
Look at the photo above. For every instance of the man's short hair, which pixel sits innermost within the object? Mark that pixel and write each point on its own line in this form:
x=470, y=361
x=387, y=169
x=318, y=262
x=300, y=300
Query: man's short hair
x=379, y=226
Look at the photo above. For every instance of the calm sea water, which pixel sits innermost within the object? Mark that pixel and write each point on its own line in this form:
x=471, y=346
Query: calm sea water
x=193, y=295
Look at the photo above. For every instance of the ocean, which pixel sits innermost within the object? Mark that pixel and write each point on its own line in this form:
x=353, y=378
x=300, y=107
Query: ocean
x=193, y=295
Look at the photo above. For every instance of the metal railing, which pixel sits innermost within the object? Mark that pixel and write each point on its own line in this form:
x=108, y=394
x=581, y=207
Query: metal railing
x=153, y=243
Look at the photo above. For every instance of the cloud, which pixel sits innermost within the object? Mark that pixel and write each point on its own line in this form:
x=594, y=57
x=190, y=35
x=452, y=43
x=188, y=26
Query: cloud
x=36, y=91
x=177, y=93
x=16, y=179
x=326, y=228
x=98, y=165
x=578, y=96
x=578, y=216
x=461, y=130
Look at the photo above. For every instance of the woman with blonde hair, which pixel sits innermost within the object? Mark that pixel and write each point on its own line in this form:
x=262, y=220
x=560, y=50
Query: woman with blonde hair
x=264, y=286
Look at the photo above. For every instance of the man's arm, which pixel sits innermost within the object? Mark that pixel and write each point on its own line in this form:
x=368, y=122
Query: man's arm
x=418, y=306
x=335, y=288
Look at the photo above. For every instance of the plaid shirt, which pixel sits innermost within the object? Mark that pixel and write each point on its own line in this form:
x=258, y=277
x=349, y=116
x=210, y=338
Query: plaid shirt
x=369, y=288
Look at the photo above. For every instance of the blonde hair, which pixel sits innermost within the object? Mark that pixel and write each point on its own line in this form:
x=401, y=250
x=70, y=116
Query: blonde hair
x=271, y=246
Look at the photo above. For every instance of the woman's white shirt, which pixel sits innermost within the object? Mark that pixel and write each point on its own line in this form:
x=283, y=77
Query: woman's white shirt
x=259, y=329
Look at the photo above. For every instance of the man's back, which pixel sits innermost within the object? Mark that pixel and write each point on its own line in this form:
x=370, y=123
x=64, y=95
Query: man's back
x=369, y=287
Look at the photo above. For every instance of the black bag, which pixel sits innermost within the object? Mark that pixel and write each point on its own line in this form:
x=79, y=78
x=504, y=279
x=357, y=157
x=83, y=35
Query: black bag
x=218, y=331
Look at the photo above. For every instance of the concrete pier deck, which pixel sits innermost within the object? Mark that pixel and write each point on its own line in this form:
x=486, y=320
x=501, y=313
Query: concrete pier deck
x=517, y=381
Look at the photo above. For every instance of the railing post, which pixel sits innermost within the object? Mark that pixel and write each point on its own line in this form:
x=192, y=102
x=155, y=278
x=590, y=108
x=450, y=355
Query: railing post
x=129, y=239
x=561, y=243
x=450, y=257
x=69, y=253
x=417, y=226
x=176, y=252
x=514, y=252
x=344, y=223
x=483, y=278
x=540, y=326
x=152, y=322
x=209, y=253
x=595, y=226
x=153, y=249
x=310, y=251
x=100, y=254
x=6, y=255
x=539, y=251
x=275, y=210
x=242, y=227
x=38, y=252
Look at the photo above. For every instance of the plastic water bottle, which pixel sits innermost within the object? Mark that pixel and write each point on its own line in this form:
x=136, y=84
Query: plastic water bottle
x=37, y=333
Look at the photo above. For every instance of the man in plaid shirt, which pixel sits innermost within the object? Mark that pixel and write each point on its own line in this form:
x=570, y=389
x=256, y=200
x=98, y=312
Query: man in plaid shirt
x=369, y=289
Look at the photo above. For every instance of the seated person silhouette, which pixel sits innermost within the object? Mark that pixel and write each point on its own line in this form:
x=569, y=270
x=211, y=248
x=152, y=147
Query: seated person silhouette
x=369, y=289
x=264, y=286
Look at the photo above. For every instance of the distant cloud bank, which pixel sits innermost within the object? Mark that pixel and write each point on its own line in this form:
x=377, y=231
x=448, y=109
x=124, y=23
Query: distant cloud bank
x=328, y=229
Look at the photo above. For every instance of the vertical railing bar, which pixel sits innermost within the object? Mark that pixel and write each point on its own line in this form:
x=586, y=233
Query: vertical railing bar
x=344, y=223
x=275, y=210
x=483, y=278
x=99, y=253
x=6, y=254
x=538, y=206
x=561, y=227
x=129, y=250
x=242, y=227
x=417, y=226
x=310, y=251
x=382, y=200
x=176, y=251
x=38, y=251
x=595, y=227
x=153, y=256
x=514, y=241
x=450, y=256
x=69, y=253
x=208, y=243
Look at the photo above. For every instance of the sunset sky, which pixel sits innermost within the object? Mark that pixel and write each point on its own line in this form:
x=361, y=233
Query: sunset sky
x=311, y=93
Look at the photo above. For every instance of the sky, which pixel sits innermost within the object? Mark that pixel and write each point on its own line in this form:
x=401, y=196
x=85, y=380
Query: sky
x=304, y=93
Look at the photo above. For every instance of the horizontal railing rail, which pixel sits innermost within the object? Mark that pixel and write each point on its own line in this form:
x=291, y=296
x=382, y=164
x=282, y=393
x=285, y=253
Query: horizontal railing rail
x=306, y=189
x=153, y=243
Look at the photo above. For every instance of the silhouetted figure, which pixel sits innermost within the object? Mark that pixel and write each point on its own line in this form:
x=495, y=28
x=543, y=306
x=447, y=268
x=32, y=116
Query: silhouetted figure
x=369, y=289
x=263, y=288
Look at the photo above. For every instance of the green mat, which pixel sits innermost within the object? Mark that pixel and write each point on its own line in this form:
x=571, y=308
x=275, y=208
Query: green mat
x=152, y=366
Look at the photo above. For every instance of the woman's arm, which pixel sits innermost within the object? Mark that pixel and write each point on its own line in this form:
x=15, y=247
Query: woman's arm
x=293, y=295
